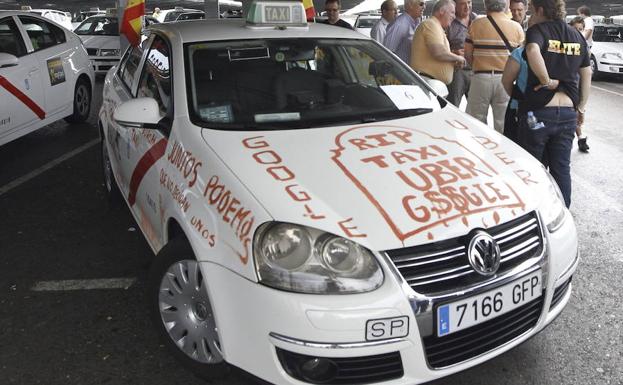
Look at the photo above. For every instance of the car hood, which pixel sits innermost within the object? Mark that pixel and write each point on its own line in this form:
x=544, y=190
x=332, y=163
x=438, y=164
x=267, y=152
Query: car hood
x=603, y=46
x=389, y=184
x=99, y=42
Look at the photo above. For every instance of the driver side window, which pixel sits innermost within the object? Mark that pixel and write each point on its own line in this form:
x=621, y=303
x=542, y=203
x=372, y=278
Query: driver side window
x=156, y=77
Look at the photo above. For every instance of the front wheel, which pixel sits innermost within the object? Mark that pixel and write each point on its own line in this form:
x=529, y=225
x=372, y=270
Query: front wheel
x=82, y=102
x=182, y=311
x=594, y=67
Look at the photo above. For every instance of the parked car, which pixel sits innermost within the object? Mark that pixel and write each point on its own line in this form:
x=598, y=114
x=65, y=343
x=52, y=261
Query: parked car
x=81, y=16
x=321, y=214
x=168, y=15
x=45, y=75
x=191, y=16
x=100, y=36
x=60, y=17
x=607, y=50
x=364, y=23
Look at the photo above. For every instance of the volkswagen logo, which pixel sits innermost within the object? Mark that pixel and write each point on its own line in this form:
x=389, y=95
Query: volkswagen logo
x=483, y=253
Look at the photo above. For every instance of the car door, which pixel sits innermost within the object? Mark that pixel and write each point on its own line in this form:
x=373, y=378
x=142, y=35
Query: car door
x=150, y=144
x=21, y=90
x=52, y=52
x=119, y=137
x=147, y=146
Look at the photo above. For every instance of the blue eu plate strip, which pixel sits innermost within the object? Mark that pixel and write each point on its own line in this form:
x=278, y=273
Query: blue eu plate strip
x=443, y=321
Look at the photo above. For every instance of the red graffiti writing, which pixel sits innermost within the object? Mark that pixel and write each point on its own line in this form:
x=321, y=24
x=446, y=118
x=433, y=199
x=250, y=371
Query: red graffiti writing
x=418, y=181
x=239, y=218
x=176, y=192
x=201, y=228
x=185, y=162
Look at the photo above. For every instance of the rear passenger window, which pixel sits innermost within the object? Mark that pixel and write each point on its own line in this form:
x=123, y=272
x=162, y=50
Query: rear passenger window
x=41, y=33
x=129, y=65
x=10, y=38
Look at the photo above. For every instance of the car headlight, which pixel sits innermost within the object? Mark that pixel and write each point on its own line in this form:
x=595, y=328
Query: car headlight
x=305, y=260
x=109, y=52
x=554, y=209
x=612, y=55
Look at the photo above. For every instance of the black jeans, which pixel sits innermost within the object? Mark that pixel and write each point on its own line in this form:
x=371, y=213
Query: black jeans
x=552, y=142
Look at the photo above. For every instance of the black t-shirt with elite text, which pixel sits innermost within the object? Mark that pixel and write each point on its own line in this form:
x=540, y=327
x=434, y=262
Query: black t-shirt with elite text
x=564, y=51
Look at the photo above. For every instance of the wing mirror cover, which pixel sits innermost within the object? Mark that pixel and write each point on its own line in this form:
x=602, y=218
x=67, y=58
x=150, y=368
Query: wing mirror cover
x=8, y=60
x=139, y=113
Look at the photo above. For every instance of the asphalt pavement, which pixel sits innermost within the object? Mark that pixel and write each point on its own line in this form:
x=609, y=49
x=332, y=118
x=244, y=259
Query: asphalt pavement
x=60, y=239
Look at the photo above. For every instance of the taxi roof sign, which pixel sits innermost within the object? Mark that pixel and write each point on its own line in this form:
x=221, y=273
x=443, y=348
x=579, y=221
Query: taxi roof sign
x=276, y=14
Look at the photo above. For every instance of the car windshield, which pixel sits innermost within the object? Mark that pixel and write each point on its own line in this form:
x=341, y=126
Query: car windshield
x=294, y=83
x=107, y=26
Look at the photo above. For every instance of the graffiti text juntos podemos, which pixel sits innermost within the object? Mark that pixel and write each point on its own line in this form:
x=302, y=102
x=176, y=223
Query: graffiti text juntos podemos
x=433, y=180
x=239, y=218
x=185, y=162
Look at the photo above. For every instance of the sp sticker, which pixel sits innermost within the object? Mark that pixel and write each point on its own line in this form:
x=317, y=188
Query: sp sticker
x=387, y=328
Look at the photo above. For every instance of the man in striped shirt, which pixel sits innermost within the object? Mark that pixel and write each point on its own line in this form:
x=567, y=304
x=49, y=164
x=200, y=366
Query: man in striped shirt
x=399, y=35
x=487, y=52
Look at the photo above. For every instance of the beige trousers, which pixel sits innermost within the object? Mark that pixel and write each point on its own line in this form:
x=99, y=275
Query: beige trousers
x=486, y=90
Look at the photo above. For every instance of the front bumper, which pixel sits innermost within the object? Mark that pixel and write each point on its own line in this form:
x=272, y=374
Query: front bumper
x=610, y=67
x=101, y=64
x=255, y=321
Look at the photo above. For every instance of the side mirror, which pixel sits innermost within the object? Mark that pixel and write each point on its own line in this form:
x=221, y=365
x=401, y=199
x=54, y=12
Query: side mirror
x=438, y=86
x=138, y=113
x=8, y=60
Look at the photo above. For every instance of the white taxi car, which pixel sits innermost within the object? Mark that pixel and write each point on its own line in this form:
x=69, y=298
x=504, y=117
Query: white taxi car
x=45, y=75
x=607, y=50
x=318, y=213
x=100, y=36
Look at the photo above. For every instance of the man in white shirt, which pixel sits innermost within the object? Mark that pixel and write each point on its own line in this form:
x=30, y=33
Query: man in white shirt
x=389, y=11
x=589, y=24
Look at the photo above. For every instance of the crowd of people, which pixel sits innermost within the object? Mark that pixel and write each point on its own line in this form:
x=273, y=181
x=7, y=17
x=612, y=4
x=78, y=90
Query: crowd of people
x=521, y=60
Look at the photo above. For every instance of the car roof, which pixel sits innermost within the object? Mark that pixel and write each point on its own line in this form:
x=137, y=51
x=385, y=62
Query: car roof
x=235, y=29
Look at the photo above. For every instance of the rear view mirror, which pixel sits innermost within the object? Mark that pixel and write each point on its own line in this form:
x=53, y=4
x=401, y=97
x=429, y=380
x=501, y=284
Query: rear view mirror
x=139, y=113
x=379, y=68
x=8, y=60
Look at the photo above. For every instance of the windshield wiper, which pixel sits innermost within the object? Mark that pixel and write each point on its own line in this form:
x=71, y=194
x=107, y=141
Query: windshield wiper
x=394, y=114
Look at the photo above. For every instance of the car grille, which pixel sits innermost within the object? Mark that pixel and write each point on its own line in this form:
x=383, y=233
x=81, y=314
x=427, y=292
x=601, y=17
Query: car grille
x=472, y=342
x=559, y=292
x=443, y=266
x=92, y=51
x=350, y=370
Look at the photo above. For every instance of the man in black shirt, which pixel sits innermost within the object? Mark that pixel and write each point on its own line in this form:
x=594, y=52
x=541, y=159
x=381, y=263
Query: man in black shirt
x=558, y=85
x=332, y=9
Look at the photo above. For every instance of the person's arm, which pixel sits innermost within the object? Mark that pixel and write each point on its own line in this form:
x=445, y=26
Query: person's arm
x=588, y=34
x=537, y=65
x=511, y=71
x=585, y=87
x=439, y=52
x=468, y=52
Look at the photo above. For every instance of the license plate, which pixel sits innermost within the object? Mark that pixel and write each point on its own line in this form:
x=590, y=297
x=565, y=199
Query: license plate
x=385, y=328
x=459, y=315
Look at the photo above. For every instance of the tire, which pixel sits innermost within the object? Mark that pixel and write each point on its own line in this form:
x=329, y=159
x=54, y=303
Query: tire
x=82, y=102
x=112, y=189
x=182, y=312
x=594, y=68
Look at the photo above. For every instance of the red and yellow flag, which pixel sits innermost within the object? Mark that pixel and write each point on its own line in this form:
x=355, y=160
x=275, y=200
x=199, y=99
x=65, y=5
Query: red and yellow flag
x=310, y=12
x=132, y=21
